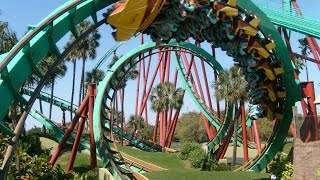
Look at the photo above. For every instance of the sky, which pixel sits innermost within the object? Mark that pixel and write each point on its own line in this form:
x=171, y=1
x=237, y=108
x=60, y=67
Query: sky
x=20, y=14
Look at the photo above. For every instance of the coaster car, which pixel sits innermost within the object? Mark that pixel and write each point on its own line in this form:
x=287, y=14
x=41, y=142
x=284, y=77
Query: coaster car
x=132, y=16
x=226, y=7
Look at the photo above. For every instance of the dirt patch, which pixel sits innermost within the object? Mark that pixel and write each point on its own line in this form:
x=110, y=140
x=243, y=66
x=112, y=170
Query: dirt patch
x=306, y=160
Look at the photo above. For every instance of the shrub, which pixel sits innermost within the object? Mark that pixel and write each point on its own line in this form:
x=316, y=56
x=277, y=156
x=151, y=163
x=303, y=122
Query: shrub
x=198, y=158
x=32, y=146
x=90, y=175
x=282, y=168
x=36, y=167
x=186, y=149
x=212, y=164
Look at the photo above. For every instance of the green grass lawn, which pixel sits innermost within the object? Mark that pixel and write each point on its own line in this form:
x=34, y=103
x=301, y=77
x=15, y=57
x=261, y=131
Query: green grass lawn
x=81, y=163
x=179, y=169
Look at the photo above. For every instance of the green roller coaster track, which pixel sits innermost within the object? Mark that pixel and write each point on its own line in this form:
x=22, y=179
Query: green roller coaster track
x=64, y=105
x=105, y=85
x=21, y=62
x=295, y=23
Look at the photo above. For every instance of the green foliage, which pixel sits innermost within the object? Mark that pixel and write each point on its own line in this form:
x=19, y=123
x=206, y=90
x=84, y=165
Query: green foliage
x=197, y=158
x=190, y=128
x=31, y=167
x=37, y=132
x=90, y=175
x=231, y=85
x=265, y=128
x=8, y=38
x=36, y=167
x=4, y=140
x=94, y=76
x=186, y=149
x=34, y=130
x=122, y=78
x=211, y=164
x=135, y=123
x=165, y=96
x=282, y=168
x=298, y=63
x=147, y=133
x=32, y=146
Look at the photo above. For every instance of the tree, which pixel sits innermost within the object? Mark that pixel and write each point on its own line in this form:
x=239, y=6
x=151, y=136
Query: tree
x=163, y=97
x=298, y=63
x=59, y=72
x=305, y=50
x=135, y=123
x=190, y=128
x=44, y=65
x=85, y=49
x=129, y=72
x=95, y=76
x=231, y=86
x=8, y=38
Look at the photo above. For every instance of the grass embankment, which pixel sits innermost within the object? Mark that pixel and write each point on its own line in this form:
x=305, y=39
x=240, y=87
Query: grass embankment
x=81, y=163
x=179, y=169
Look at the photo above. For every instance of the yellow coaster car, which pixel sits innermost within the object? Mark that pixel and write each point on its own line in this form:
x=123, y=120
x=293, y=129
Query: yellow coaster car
x=271, y=93
x=132, y=16
x=262, y=47
x=229, y=8
x=268, y=106
x=267, y=70
x=249, y=28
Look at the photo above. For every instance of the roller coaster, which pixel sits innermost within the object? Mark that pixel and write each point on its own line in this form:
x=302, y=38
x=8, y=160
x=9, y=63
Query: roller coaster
x=253, y=34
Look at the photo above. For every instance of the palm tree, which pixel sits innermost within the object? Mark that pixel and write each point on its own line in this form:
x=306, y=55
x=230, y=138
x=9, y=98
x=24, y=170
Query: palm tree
x=43, y=66
x=231, y=86
x=123, y=76
x=163, y=97
x=305, y=50
x=128, y=74
x=298, y=63
x=85, y=49
x=8, y=38
x=136, y=123
x=94, y=76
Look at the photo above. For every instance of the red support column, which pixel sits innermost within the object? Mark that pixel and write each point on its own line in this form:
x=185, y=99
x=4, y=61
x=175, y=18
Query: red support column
x=77, y=140
x=250, y=135
x=225, y=143
x=171, y=110
x=311, y=118
x=217, y=101
x=155, y=129
x=205, y=121
x=256, y=135
x=244, y=133
x=172, y=129
x=69, y=130
x=138, y=88
x=145, y=98
x=93, y=155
